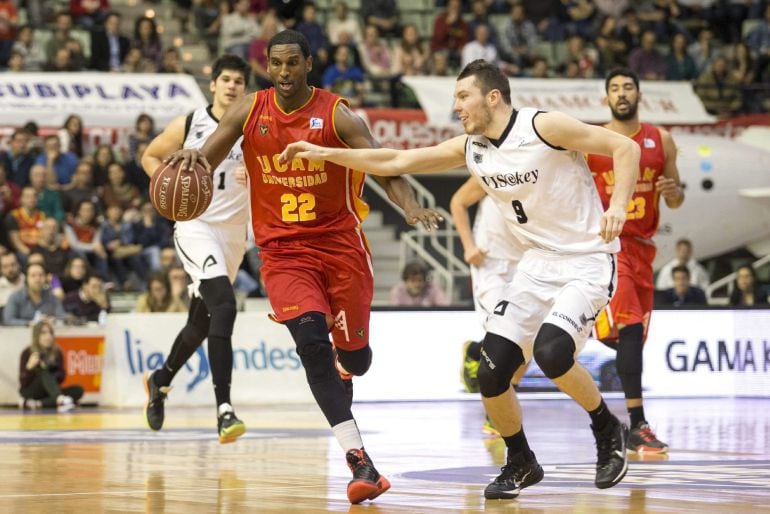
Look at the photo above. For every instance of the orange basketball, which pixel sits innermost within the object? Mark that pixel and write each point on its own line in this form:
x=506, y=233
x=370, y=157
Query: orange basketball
x=181, y=195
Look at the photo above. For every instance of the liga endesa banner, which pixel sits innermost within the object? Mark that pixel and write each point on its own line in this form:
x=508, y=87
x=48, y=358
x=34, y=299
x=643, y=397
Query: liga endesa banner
x=663, y=102
x=101, y=99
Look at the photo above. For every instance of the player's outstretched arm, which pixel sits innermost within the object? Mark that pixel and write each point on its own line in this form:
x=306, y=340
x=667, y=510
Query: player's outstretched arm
x=385, y=161
x=220, y=142
x=563, y=131
x=469, y=194
x=668, y=185
x=354, y=132
x=164, y=144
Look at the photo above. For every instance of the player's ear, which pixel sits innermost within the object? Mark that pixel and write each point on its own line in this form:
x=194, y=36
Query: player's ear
x=309, y=64
x=212, y=86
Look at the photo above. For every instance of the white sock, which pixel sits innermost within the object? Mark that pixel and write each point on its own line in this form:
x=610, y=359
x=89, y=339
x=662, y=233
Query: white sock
x=347, y=435
x=225, y=407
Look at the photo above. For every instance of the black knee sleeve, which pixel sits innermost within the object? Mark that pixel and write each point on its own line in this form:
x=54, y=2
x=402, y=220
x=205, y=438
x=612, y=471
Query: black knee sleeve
x=500, y=358
x=554, y=350
x=311, y=335
x=219, y=297
x=355, y=362
x=629, y=360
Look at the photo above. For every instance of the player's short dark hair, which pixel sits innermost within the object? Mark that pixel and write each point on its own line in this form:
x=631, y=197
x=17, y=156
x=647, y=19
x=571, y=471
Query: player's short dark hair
x=487, y=77
x=415, y=268
x=684, y=241
x=290, y=37
x=620, y=72
x=680, y=269
x=230, y=62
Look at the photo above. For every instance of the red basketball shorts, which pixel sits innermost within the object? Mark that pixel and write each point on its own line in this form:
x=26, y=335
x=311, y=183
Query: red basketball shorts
x=332, y=274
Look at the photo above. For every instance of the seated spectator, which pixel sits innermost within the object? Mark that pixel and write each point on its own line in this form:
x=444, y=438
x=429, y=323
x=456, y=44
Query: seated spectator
x=61, y=36
x=90, y=14
x=580, y=18
x=86, y=303
x=32, y=52
x=746, y=291
x=75, y=273
x=42, y=371
x=684, y=257
x=104, y=156
x=168, y=259
x=9, y=19
x=147, y=40
x=33, y=302
x=719, y=90
x=416, y=289
x=609, y=45
x=376, y=54
x=258, y=51
x=703, y=50
x=342, y=22
x=135, y=173
x=383, y=14
x=144, y=132
x=343, y=79
x=480, y=16
x=646, y=61
x=108, y=45
x=450, y=32
x=439, y=64
x=18, y=158
x=135, y=63
x=518, y=42
x=480, y=48
x=118, y=191
x=179, y=282
x=411, y=55
x=158, y=297
x=62, y=62
x=52, y=279
x=313, y=31
x=59, y=164
x=71, y=135
x=53, y=246
x=10, y=193
x=48, y=200
x=152, y=232
x=80, y=190
x=679, y=64
x=23, y=223
x=288, y=11
x=759, y=42
x=586, y=58
x=84, y=236
x=742, y=64
x=172, y=62
x=207, y=16
x=237, y=30
x=11, y=277
x=125, y=256
x=631, y=29
x=682, y=294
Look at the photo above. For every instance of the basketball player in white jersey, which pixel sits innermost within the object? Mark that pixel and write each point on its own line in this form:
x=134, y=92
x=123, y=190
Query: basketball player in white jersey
x=492, y=252
x=531, y=163
x=211, y=248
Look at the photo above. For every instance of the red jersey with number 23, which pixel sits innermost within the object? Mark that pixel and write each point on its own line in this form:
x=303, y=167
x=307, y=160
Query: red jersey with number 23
x=643, y=212
x=300, y=198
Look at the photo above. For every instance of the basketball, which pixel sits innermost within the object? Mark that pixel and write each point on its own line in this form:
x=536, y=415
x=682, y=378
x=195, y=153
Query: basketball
x=181, y=196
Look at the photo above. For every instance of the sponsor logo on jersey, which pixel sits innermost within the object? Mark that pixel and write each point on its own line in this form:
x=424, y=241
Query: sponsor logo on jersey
x=477, y=158
x=476, y=143
x=584, y=320
x=263, y=130
x=360, y=332
x=198, y=134
x=210, y=261
x=316, y=123
x=511, y=179
x=290, y=308
x=649, y=143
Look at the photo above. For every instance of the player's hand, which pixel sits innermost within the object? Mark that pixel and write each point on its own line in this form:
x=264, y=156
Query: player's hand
x=188, y=158
x=475, y=255
x=241, y=176
x=428, y=217
x=303, y=150
x=611, y=224
x=668, y=188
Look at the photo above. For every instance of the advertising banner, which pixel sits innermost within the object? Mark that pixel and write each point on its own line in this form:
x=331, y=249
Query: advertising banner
x=83, y=360
x=663, y=102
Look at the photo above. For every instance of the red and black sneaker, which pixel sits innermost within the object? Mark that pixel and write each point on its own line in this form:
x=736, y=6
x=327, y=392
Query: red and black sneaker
x=642, y=439
x=367, y=483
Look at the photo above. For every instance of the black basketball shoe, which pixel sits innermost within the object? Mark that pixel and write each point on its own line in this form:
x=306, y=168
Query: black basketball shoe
x=518, y=473
x=156, y=396
x=229, y=426
x=612, y=458
x=367, y=483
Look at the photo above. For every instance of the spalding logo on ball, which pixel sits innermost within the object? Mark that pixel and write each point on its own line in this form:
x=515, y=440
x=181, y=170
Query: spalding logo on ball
x=181, y=195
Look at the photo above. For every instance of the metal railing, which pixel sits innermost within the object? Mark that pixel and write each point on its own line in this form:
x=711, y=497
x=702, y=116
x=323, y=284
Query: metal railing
x=728, y=281
x=436, y=247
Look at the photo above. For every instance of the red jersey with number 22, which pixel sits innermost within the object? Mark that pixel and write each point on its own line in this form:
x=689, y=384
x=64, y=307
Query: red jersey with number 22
x=643, y=209
x=299, y=198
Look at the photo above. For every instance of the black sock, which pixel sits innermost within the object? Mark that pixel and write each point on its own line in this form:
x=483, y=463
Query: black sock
x=637, y=415
x=474, y=350
x=221, y=362
x=600, y=417
x=517, y=443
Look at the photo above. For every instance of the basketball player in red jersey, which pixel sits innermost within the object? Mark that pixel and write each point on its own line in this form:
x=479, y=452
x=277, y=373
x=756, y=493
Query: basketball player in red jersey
x=625, y=321
x=306, y=217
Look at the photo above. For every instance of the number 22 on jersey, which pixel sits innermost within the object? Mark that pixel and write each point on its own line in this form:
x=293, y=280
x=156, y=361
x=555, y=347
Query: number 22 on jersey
x=296, y=208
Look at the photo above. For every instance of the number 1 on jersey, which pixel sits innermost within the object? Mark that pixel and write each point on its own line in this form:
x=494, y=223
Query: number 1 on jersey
x=297, y=208
x=221, y=180
x=518, y=209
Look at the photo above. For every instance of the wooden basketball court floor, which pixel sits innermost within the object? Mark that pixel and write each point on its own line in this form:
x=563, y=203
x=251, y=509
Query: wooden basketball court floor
x=98, y=460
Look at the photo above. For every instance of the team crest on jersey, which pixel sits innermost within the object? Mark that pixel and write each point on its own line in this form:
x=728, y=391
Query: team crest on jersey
x=477, y=157
x=316, y=123
x=263, y=130
x=199, y=134
x=649, y=143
